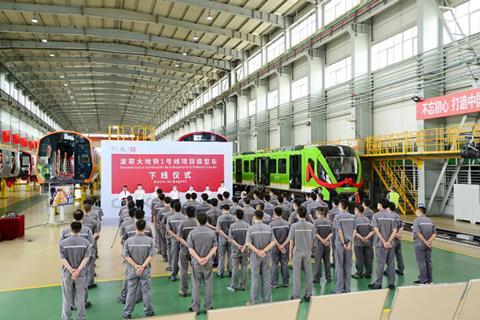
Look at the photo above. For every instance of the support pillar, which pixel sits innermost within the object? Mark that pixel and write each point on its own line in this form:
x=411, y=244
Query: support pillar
x=262, y=126
x=242, y=122
x=318, y=120
x=284, y=99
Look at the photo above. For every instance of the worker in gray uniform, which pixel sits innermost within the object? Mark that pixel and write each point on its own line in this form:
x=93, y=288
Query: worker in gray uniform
x=183, y=230
x=301, y=238
x=130, y=221
x=85, y=232
x=203, y=206
x=293, y=218
x=138, y=251
x=172, y=225
x=157, y=207
x=124, y=214
x=223, y=227
x=266, y=217
x=168, y=237
x=363, y=244
x=256, y=199
x=312, y=207
x=163, y=229
x=213, y=214
x=75, y=253
x=226, y=200
x=397, y=241
x=239, y=255
x=269, y=207
x=91, y=223
x=260, y=240
x=248, y=211
x=367, y=211
x=202, y=245
x=280, y=253
x=343, y=225
x=234, y=206
x=188, y=202
x=385, y=228
x=424, y=232
x=330, y=216
x=285, y=208
x=322, y=251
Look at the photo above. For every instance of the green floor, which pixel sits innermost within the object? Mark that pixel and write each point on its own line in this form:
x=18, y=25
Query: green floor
x=45, y=303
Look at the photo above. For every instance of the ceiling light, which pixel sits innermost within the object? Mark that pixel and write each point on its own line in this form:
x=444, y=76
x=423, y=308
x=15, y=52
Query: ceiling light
x=34, y=18
x=69, y=91
x=184, y=54
x=177, y=65
x=62, y=77
x=71, y=97
x=44, y=40
x=159, y=90
x=65, y=84
x=209, y=17
x=195, y=38
x=52, y=54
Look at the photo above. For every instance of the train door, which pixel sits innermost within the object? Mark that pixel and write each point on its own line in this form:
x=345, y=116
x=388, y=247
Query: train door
x=262, y=175
x=238, y=170
x=296, y=172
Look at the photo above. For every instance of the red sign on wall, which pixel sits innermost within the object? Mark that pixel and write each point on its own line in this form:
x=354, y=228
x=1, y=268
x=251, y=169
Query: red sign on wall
x=6, y=136
x=24, y=142
x=166, y=171
x=449, y=105
x=31, y=144
x=16, y=138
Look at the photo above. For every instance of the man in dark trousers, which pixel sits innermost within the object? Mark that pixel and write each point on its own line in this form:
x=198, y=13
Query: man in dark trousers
x=183, y=231
x=424, y=233
x=239, y=256
x=280, y=253
x=75, y=253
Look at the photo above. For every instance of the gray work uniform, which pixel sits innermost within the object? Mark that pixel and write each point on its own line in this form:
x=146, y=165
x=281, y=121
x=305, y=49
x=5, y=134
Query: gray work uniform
x=306, y=203
x=286, y=211
x=124, y=226
x=302, y=233
x=368, y=213
x=183, y=231
x=224, y=249
x=99, y=211
x=158, y=235
x=269, y=209
x=160, y=212
x=343, y=221
x=238, y=232
x=131, y=231
x=95, y=216
x=397, y=244
x=385, y=222
x=255, y=202
x=260, y=236
x=280, y=229
x=363, y=250
x=172, y=225
x=92, y=225
x=212, y=215
x=224, y=202
x=248, y=213
x=74, y=249
x=123, y=216
x=139, y=248
x=274, y=200
x=189, y=203
x=234, y=208
x=323, y=228
x=168, y=237
x=423, y=254
x=266, y=218
x=311, y=209
x=202, y=207
x=202, y=240
x=330, y=216
x=85, y=233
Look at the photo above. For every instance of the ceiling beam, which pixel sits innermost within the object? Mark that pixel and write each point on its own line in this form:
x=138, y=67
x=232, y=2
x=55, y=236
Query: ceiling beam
x=128, y=15
x=105, y=87
x=114, y=60
x=152, y=104
x=262, y=16
x=114, y=48
x=117, y=34
x=111, y=70
x=99, y=92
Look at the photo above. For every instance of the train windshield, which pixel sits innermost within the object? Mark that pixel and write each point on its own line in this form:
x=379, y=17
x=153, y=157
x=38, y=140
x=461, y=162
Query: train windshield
x=341, y=160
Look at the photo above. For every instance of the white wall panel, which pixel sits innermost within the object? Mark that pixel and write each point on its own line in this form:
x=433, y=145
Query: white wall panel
x=394, y=19
x=301, y=134
x=274, y=138
x=340, y=128
x=394, y=118
x=338, y=49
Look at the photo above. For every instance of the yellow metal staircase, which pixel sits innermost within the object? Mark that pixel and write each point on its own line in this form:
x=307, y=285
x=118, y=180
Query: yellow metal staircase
x=393, y=174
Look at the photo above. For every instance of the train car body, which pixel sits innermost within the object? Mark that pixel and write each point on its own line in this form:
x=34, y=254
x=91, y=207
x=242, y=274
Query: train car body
x=65, y=157
x=331, y=169
x=203, y=136
x=26, y=165
x=10, y=162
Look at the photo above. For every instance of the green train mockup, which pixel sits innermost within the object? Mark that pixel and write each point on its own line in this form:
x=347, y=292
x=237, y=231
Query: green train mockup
x=330, y=169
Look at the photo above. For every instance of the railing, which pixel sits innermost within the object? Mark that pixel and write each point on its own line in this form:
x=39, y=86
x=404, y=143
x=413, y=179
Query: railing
x=127, y=132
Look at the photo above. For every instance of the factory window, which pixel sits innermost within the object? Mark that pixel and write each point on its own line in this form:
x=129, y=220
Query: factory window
x=252, y=107
x=394, y=49
x=300, y=88
x=272, y=165
x=245, y=166
x=272, y=99
x=254, y=63
x=240, y=72
x=336, y=8
x=282, y=165
x=468, y=21
x=252, y=165
x=338, y=72
x=303, y=30
x=276, y=48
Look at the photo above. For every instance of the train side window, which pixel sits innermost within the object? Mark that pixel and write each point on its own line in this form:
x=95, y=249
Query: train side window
x=321, y=173
x=252, y=165
x=282, y=165
x=311, y=163
x=245, y=166
x=272, y=165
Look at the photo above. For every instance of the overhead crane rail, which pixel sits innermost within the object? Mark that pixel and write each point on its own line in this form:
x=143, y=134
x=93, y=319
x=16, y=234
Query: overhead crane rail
x=128, y=132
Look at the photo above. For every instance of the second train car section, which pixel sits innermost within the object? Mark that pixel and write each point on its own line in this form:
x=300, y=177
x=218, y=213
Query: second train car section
x=330, y=169
x=65, y=156
x=15, y=163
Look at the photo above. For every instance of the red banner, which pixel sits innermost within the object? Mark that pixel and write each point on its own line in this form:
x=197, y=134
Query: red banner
x=31, y=144
x=449, y=105
x=6, y=136
x=24, y=142
x=167, y=170
x=345, y=182
x=16, y=138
